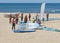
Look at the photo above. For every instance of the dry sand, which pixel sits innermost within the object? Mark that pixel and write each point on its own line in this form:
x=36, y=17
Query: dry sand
x=40, y=36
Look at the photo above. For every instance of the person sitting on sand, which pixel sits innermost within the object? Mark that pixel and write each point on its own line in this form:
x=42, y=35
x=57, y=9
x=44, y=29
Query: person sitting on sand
x=10, y=16
x=33, y=20
x=13, y=21
x=37, y=17
x=25, y=19
x=38, y=21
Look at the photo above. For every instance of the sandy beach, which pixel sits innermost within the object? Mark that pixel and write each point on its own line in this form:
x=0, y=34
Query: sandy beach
x=40, y=36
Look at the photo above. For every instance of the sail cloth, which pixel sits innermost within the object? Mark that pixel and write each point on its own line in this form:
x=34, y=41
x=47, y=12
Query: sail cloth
x=42, y=11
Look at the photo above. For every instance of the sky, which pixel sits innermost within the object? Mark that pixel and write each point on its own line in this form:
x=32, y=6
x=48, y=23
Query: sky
x=29, y=1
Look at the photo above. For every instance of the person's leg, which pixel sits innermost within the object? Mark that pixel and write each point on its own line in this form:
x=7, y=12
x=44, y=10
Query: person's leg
x=10, y=20
x=17, y=21
x=29, y=19
x=12, y=26
x=47, y=18
x=24, y=21
x=43, y=19
x=21, y=19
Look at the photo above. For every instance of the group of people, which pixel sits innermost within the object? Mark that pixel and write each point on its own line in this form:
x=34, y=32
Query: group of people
x=14, y=19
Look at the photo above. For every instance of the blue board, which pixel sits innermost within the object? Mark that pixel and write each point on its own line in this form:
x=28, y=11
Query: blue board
x=51, y=29
x=48, y=29
x=24, y=30
x=51, y=19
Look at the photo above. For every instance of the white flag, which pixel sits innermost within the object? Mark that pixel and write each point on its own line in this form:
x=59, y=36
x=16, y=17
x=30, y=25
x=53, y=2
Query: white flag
x=42, y=11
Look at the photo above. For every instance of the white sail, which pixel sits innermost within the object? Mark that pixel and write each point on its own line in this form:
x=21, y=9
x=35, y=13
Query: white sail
x=42, y=11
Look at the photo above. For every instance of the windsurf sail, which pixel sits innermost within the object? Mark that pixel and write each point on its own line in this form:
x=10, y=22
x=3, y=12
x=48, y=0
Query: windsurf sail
x=42, y=11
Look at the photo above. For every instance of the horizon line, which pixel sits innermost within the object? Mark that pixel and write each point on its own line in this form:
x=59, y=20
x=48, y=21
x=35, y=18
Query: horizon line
x=16, y=2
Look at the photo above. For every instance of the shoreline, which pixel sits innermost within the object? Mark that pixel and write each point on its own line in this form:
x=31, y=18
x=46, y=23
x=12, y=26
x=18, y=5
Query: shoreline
x=23, y=13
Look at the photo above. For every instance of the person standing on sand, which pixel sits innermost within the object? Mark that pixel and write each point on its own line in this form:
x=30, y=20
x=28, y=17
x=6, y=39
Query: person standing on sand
x=10, y=16
x=17, y=18
x=13, y=21
x=22, y=17
x=47, y=16
x=43, y=20
x=29, y=16
x=38, y=21
x=25, y=19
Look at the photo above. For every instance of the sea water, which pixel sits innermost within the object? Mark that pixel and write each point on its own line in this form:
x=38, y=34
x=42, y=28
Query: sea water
x=29, y=7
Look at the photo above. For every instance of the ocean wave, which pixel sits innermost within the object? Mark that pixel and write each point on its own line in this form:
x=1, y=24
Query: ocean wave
x=53, y=10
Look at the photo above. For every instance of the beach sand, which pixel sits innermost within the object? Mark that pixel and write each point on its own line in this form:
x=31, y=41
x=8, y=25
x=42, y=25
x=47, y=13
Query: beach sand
x=40, y=36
